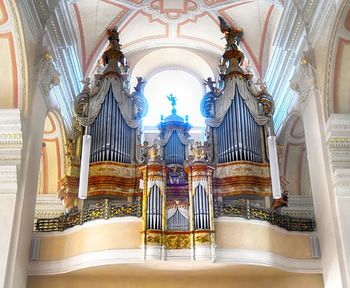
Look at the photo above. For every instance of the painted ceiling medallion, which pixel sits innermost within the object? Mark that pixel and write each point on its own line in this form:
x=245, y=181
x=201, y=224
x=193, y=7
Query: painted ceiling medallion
x=174, y=10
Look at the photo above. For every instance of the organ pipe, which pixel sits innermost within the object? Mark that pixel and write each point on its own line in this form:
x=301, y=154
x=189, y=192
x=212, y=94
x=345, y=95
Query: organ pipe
x=239, y=137
x=111, y=136
x=154, y=209
x=275, y=178
x=174, y=150
x=84, y=168
x=201, y=209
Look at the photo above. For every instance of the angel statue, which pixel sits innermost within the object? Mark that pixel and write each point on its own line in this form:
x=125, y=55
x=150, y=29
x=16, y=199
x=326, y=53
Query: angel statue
x=232, y=35
x=172, y=100
x=212, y=86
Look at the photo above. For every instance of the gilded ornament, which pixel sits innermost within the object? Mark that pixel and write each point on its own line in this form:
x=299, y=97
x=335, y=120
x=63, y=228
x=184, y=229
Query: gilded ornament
x=202, y=238
x=153, y=239
x=178, y=241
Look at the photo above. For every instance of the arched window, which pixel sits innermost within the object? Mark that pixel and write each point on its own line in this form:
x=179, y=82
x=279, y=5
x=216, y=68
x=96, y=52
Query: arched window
x=184, y=86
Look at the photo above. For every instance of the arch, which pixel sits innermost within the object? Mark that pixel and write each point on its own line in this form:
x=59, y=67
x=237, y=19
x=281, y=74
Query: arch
x=167, y=58
x=293, y=156
x=337, y=78
x=13, y=70
x=53, y=151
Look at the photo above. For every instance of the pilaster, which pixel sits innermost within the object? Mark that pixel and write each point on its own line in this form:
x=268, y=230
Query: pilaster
x=305, y=84
x=10, y=158
x=338, y=144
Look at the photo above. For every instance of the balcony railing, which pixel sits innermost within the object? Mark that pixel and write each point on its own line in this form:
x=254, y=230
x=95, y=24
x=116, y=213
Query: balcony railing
x=245, y=210
x=105, y=211
x=108, y=210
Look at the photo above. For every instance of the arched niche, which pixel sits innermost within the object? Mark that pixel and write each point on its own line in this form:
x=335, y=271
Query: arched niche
x=52, y=166
x=337, y=98
x=13, y=71
x=294, y=167
x=169, y=58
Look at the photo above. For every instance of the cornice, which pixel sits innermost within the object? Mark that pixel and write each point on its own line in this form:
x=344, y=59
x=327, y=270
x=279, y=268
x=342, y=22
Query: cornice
x=10, y=136
x=51, y=25
x=8, y=179
x=341, y=182
x=135, y=256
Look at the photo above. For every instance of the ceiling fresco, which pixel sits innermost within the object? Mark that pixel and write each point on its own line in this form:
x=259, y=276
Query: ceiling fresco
x=191, y=24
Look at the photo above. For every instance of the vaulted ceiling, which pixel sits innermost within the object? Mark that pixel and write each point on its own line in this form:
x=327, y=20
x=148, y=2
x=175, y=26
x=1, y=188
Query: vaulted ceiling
x=186, y=24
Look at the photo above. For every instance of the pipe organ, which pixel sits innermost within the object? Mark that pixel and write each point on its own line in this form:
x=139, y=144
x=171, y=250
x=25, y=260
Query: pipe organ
x=238, y=115
x=180, y=180
x=111, y=115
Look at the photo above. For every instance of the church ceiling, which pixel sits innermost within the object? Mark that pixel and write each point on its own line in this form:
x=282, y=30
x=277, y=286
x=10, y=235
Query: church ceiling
x=190, y=24
x=12, y=79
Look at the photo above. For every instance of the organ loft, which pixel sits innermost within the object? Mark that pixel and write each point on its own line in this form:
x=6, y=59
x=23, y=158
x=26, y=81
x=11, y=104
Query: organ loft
x=177, y=186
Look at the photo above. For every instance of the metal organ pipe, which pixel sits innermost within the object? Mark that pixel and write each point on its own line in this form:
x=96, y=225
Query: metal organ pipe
x=239, y=136
x=154, y=208
x=110, y=134
x=174, y=150
x=201, y=208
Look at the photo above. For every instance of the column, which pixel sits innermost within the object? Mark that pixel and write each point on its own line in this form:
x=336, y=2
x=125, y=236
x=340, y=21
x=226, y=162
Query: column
x=338, y=144
x=154, y=180
x=327, y=220
x=203, y=232
x=10, y=159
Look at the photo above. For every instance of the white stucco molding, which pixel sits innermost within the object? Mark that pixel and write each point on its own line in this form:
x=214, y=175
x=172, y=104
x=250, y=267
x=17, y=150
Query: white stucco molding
x=341, y=182
x=135, y=256
x=338, y=140
x=304, y=80
x=10, y=136
x=10, y=149
x=8, y=179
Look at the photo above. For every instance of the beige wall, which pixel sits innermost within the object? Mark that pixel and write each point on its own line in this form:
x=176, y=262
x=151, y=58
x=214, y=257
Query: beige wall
x=88, y=239
x=235, y=235
x=126, y=235
x=135, y=276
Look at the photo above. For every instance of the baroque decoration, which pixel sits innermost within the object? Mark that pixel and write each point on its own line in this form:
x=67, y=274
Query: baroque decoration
x=175, y=184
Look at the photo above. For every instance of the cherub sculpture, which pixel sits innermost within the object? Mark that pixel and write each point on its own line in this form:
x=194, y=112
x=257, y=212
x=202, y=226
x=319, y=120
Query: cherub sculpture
x=154, y=153
x=200, y=152
x=145, y=149
x=68, y=199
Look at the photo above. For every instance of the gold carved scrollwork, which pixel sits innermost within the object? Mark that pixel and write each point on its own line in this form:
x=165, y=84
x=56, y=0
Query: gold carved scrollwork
x=178, y=241
x=202, y=238
x=153, y=239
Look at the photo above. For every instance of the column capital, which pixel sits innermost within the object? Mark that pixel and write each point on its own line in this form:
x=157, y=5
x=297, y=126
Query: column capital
x=304, y=78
